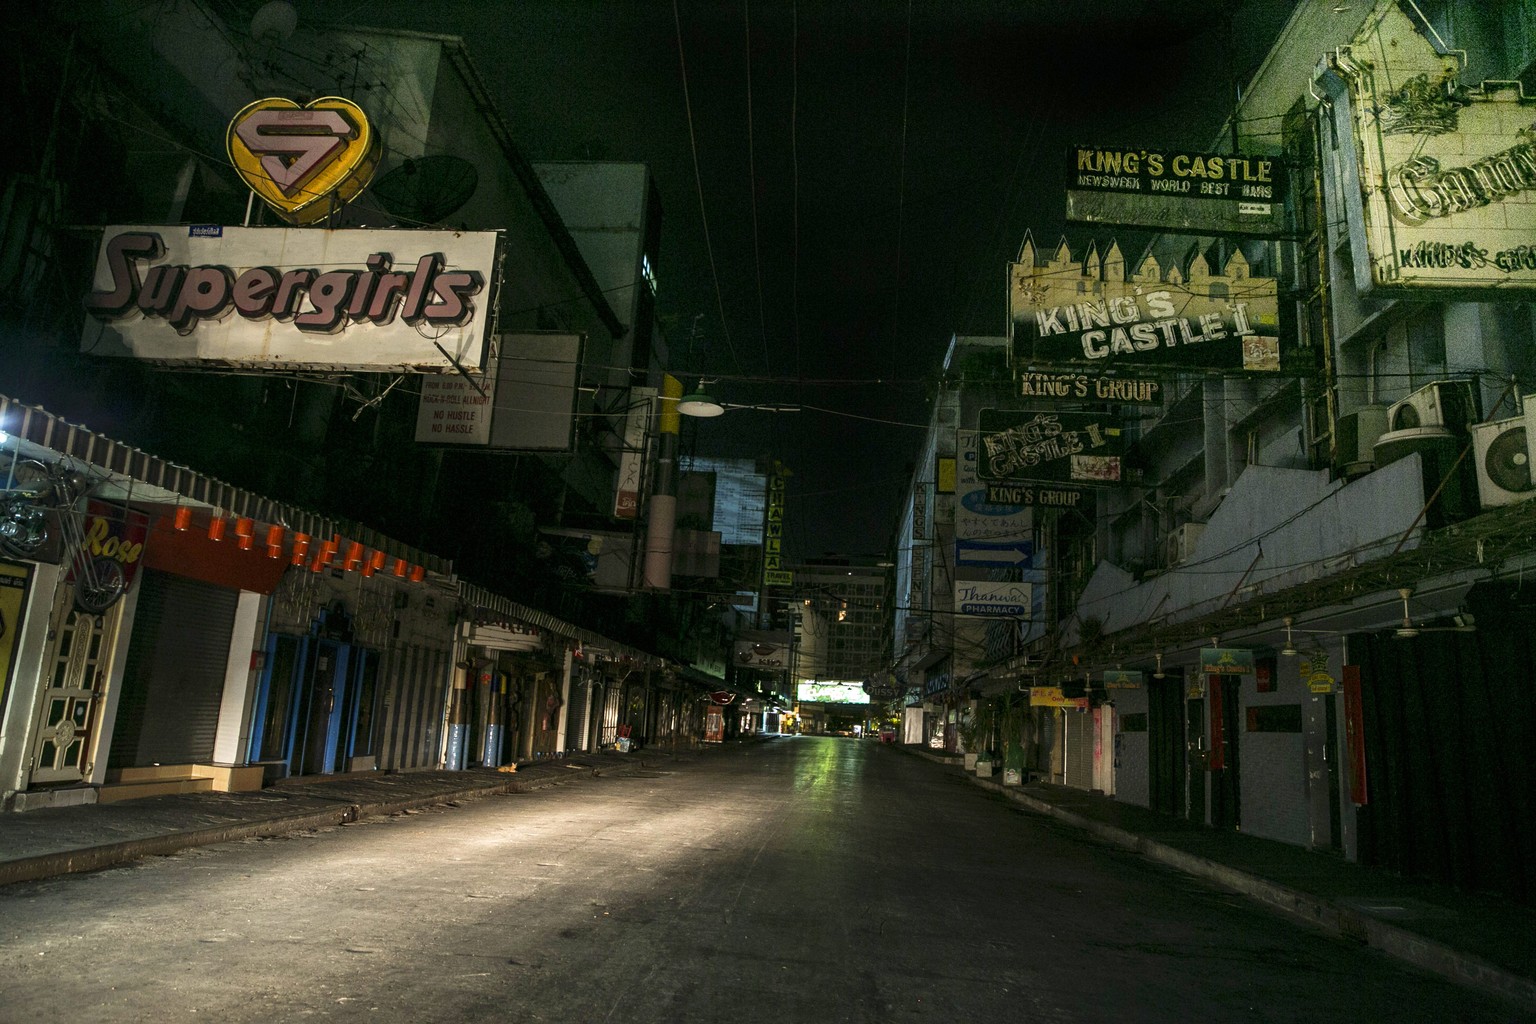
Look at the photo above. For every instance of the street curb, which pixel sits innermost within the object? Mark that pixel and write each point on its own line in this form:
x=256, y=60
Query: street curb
x=1344, y=922
x=96, y=858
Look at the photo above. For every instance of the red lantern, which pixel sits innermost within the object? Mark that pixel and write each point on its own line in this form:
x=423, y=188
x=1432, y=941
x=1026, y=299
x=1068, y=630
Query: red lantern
x=216, y=527
x=324, y=555
x=418, y=573
x=183, y=518
x=354, y=556
x=245, y=532
x=274, y=541
x=400, y=567
x=300, y=547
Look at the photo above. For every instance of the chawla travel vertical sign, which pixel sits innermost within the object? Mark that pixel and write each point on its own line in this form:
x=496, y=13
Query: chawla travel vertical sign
x=1446, y=195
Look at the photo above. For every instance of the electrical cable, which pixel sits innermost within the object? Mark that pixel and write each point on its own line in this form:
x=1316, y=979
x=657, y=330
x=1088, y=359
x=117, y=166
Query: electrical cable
x=757, y=245
x=901, y=192
x=698, y=181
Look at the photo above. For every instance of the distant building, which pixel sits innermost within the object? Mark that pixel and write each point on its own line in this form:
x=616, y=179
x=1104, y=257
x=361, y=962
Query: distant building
x=843, y=621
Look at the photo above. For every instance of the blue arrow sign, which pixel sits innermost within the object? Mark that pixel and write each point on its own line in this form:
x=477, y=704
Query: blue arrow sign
x=994, y=553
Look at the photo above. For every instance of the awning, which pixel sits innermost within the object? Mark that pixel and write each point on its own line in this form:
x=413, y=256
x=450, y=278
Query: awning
x=224, y=563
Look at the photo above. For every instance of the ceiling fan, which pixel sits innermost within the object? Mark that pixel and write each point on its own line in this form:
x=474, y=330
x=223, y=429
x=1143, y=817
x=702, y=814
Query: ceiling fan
x=1290, y=649
x=1408, y=630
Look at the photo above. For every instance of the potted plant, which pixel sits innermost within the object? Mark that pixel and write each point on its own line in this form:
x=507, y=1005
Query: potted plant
x=968, y=738
x=1011, y=722
x=980, y=735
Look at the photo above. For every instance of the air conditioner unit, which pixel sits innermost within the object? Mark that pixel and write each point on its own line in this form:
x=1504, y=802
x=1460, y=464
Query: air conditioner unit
x=1430, y=421
x=1355, y=438
x=1180, y=544
x=1503, y=458
x=1445, y=405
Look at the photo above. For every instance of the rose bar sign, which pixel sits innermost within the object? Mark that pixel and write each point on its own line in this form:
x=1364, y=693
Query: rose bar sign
x=281, y=298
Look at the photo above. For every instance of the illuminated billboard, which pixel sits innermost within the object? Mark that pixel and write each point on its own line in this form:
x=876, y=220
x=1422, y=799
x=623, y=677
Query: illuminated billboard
x=292, y=298
x=1193, y=193
x=832, y=693
x=1091, y=313
x=1051, y=446
x=304, y=161
x=762, y=653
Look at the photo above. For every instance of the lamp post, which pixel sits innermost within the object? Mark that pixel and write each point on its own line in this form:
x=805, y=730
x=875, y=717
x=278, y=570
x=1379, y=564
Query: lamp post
x=662, y=522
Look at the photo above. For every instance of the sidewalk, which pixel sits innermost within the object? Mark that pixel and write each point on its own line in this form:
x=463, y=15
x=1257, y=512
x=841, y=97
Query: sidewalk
x=1480, y=941
x=59, y=840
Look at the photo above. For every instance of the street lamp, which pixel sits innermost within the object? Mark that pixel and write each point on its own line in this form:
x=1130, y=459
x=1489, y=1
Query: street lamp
x=698, y=402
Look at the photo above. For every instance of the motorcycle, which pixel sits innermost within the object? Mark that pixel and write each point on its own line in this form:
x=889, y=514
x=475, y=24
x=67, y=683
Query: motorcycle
x=38, y=488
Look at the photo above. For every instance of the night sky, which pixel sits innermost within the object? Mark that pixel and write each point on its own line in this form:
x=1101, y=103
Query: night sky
x=842, y=203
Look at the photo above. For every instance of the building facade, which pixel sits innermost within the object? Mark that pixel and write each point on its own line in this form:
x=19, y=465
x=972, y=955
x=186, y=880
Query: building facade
x=1299, y=610
x=165, y=629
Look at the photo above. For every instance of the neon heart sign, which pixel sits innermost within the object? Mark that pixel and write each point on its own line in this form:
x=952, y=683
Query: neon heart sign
x=303, y=161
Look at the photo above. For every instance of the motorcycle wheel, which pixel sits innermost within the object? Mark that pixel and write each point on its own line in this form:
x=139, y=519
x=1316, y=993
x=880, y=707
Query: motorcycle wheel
x=105, y=585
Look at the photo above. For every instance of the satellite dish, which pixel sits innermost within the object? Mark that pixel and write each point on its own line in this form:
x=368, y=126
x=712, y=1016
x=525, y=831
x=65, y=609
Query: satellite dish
x=274, y=22
x=427, y=189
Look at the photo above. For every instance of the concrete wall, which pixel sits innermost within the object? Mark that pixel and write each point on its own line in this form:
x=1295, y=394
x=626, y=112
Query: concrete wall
x=1131, y=751
x=1272, y=764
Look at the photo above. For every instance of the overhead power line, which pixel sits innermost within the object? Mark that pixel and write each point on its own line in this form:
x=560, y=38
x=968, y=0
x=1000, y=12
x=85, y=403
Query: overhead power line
x=698, y=180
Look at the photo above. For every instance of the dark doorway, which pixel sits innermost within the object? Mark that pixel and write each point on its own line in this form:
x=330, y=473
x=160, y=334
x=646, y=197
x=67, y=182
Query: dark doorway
x=1198, y=754
x=324, y=693
x=1226, y=781
x=1165, y=744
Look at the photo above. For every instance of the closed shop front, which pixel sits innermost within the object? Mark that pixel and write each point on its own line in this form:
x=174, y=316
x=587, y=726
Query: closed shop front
x=319, y=702
x=173, y=677
x=414, y=692
x=355, y=671
x=1167, y=755
x=1078, y=750
x=577, y=710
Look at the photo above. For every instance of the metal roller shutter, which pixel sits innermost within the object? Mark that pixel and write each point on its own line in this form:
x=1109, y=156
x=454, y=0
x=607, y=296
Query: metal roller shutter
x=173, y=677
x=1079, y=749
x=575, y=714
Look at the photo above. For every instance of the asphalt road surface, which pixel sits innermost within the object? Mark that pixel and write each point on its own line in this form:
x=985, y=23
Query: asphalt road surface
x=795, y=880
